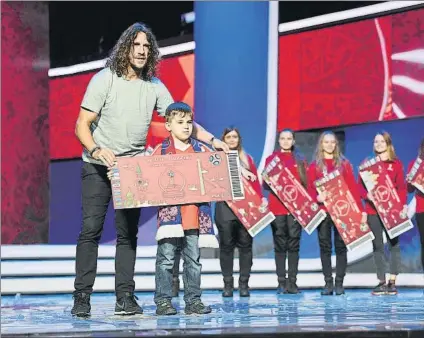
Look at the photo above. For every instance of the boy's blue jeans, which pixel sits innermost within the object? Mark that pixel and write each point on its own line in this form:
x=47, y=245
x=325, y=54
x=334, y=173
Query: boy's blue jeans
x=191, y=267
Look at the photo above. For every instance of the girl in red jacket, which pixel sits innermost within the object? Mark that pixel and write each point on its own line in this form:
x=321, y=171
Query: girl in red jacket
x=285, y=229
x=232, y=233
x=383, y=148
x=419, y=209
x=328, y=158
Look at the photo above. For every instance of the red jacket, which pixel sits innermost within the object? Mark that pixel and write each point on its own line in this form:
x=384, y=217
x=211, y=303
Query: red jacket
x=395, y=171
x=419, y=196
x=315, y=173
x=288, y=159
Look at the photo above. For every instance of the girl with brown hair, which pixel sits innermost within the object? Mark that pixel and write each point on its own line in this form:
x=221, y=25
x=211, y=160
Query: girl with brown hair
x=384, y=149
x=328, y=157
x=231, y=231
x=286, y=230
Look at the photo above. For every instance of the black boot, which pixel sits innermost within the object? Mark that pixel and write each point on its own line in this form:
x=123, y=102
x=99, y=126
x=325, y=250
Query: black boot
x=244, y=287
x=339, y=287
x=292, y=286
x=175, y=286
x=328, y=288
x=228, y=287
x=282, y=286
x=293, y=262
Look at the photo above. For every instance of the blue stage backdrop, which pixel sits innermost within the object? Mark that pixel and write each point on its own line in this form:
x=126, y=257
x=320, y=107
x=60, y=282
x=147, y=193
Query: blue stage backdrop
x=231, y=68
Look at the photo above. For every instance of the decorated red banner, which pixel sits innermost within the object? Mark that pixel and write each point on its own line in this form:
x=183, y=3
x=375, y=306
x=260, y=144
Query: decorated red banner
x=251, y=212
x=144, y=181
x=293, y=195
x=385, y=197
x=344, y=210
x=416, y=174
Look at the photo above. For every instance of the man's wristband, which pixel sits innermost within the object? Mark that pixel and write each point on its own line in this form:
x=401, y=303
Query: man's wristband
x=92, y=151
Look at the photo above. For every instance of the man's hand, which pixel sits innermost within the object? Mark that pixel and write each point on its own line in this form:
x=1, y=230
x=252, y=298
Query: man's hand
x=109, y=173
x=106, y=156
x=218, y=144
x=248, y=175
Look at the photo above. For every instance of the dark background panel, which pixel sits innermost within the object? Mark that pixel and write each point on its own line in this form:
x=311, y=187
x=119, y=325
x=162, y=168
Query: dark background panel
x=82, y=31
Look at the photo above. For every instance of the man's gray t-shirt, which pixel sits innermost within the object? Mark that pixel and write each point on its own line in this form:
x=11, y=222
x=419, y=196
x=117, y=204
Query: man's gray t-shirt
x=125, y=109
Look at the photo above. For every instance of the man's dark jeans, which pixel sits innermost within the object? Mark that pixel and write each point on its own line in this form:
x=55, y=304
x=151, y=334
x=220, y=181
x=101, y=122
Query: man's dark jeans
x=96, y=195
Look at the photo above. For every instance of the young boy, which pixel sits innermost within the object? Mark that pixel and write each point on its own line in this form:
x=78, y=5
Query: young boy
x=188, y=226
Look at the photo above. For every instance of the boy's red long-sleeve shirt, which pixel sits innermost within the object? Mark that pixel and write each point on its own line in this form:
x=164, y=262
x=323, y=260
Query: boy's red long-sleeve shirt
x=419, y=196
x=395, y=171
x=315, y=173
x=275, y=205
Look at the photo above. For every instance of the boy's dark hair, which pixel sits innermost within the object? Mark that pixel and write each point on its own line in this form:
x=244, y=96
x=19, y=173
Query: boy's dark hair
x=178, y=108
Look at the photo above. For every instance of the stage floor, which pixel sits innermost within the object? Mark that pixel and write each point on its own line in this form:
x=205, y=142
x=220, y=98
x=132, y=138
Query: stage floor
x=263, y=314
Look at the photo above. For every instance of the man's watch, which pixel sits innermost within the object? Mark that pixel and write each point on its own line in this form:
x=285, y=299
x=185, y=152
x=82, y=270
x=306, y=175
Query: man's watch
x=92, y=151
x=212, y=139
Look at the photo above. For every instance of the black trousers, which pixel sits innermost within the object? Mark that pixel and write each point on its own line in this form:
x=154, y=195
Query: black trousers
x=324, y=237
x=419, y=217
x=286, y=233
x=377, y=228
x=96, y=195
x=233, y=234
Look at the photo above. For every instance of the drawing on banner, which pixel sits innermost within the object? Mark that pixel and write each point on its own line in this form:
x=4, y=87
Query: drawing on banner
x=416, y=174
x=144, y=181
x=385, y=197
x=252, y=213
x=344, y=211
x=293, y=195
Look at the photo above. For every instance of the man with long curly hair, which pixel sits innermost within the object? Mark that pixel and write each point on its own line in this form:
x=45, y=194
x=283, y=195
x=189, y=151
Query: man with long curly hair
x=114, y=119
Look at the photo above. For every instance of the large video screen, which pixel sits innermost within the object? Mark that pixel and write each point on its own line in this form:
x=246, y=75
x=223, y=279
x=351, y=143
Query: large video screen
x=366, y=71
x=66, y=93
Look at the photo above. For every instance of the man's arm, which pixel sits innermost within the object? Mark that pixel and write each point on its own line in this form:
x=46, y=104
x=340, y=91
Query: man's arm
x=203, y=135
x=82, y=129
x=83, y=132
x=91, y=105
x=164, y=97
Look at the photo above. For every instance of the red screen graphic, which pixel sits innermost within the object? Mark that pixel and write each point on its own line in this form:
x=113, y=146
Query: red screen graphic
x=66, y=94
x=367, y=71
